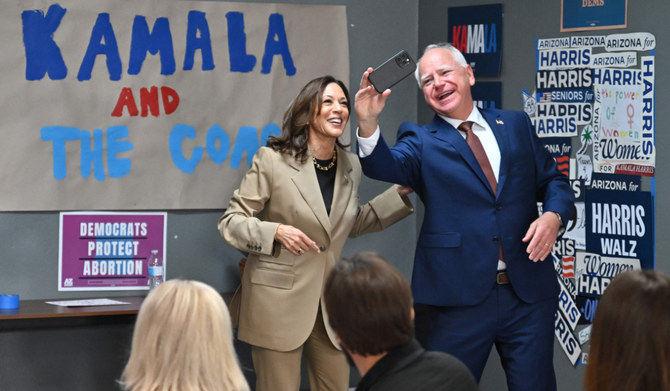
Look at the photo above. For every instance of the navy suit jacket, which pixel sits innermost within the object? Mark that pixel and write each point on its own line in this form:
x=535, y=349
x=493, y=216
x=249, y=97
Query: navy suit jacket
x=457, y=250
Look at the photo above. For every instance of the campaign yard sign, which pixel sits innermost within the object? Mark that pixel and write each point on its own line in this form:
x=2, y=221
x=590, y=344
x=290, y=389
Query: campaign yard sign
x=108, y=251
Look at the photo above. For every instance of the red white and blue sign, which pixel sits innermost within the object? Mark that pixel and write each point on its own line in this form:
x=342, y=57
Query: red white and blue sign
x=477, y=32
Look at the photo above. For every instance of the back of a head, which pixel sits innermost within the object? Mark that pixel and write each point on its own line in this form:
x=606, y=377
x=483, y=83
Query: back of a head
x=369, y=304
x=630, y=339
x=183, y=341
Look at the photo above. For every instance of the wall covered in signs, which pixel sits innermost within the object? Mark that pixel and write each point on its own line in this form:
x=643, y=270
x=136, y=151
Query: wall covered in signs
x=592, y=97
x=593, y=106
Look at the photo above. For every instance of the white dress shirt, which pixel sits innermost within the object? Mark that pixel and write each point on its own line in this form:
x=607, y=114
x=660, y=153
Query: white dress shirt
x=479, y=126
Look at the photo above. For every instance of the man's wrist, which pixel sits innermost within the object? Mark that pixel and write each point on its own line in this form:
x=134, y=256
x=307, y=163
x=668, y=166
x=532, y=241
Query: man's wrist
x=561, y=228
x=367, y=145
x=367, y=125
x=560, y=220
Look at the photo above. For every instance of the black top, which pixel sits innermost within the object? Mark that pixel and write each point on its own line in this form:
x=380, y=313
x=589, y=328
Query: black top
x=326, y=181
x=411, y=368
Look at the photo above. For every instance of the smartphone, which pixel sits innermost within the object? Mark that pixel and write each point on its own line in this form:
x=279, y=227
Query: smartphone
x=392, y=71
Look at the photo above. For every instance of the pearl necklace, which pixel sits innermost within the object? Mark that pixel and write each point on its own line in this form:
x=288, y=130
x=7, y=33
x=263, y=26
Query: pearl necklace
x=329, y=166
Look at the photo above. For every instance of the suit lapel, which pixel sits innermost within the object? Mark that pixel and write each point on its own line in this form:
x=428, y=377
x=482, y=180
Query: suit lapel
x=500, y=131
x=308, y=186
x=343, y=187
x=442, y=130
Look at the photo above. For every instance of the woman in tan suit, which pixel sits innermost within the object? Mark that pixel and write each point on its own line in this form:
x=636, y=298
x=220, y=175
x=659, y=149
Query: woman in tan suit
x=294, y=210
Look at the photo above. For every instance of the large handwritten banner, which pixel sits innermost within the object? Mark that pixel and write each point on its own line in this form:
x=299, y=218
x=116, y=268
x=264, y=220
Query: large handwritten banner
x=149, y=104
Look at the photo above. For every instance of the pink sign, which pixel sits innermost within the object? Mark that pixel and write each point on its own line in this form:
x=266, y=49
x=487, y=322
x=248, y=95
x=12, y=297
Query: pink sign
x=108, y=251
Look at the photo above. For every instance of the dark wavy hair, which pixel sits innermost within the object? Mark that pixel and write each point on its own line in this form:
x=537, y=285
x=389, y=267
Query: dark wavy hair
x=630, y=339
x=303, y=109
x=369, y=304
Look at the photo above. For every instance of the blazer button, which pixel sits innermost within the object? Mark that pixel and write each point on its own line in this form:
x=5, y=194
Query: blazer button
x=322, y=248
x=496, y=239
x=498, y=207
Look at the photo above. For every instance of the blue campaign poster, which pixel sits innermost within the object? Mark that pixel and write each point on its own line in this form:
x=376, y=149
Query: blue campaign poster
x=621, y=224
x=487, y=94
x=477, y=32
x=581, y=15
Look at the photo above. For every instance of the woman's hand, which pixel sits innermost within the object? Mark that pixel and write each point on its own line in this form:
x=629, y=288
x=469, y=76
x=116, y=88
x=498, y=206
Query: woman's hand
x=368, y=105
x=294, y=240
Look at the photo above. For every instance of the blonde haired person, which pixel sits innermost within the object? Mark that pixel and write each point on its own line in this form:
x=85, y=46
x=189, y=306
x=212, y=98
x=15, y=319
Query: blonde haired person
x=183, y=342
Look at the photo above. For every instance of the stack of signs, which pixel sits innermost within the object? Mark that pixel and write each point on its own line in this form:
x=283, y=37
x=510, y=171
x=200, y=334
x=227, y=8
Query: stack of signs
x=600, y=91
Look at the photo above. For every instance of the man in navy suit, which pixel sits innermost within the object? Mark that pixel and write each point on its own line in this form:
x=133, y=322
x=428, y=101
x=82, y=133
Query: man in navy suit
x=480, y=277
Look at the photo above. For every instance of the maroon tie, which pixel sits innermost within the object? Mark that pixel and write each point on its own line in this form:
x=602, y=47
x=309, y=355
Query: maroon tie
x=477, y=149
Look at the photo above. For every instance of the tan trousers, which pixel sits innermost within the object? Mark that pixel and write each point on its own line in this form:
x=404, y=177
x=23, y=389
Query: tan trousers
x=327, y=367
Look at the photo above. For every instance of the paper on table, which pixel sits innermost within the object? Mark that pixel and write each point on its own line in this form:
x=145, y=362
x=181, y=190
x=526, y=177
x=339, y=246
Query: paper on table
x=87, y=302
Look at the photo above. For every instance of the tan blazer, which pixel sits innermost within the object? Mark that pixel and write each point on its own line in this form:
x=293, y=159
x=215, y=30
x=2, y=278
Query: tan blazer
x=280, y=293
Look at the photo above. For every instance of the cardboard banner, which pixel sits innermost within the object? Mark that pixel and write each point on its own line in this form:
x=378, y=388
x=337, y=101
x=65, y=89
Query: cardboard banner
x=150, y=104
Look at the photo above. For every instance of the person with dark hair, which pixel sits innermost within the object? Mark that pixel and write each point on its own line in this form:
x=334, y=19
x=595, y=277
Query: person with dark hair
x=630, y=337
x=369, y=304
x=293, y=212
x=479, y=277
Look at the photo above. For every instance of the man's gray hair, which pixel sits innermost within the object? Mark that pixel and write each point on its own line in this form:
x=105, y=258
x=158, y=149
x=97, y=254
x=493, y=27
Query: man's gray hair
x=458, y=56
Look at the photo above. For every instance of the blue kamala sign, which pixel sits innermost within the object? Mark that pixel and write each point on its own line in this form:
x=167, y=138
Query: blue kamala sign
x=477, y=32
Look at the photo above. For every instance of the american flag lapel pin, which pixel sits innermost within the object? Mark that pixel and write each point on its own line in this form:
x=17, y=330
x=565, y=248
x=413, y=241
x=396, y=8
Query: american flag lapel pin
x=499, y=122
